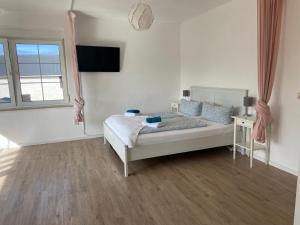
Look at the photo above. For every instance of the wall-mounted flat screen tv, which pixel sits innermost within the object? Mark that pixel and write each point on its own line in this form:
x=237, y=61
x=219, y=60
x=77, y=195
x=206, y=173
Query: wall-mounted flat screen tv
x=98, y=59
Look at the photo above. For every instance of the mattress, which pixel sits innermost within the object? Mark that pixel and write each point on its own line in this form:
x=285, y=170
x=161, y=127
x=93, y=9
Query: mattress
x=212, y=129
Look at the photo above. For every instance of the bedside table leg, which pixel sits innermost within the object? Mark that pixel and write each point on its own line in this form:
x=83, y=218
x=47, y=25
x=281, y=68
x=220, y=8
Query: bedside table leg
x=268, y=154
x=251, y=153
x=268, y=144
x=234, y=141
x=234, y=152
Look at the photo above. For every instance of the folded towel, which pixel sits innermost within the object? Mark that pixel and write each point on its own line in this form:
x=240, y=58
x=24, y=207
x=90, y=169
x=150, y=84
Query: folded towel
x=128, y=114
x=153, y=119
x=152, y=125
x=133, y=111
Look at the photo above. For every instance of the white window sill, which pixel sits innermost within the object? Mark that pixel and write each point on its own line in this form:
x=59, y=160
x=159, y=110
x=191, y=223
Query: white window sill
x=14, y=108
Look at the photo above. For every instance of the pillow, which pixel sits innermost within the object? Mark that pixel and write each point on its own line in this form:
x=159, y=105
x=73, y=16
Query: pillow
x=190, y=108
x=217, y=113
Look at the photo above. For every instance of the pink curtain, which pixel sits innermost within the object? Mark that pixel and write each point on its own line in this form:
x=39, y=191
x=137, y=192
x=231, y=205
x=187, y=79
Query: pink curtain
x=269, y=27
x=79, y=102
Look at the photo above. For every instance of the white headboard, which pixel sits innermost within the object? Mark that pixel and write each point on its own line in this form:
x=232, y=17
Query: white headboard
x=221, y=96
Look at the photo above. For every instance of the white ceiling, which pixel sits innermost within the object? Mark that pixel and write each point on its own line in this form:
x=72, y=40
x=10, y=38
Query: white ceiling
x=169, y=10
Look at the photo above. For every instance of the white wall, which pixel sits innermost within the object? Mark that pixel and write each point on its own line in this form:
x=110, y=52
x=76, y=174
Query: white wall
x=149, y=77
x=150, y=69
x=219, y=48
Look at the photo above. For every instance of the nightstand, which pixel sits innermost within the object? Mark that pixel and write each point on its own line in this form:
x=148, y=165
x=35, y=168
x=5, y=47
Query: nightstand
x=243, y=128
x=174, y=107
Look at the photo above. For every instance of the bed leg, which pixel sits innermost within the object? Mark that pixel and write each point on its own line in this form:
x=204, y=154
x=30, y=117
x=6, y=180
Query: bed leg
x=126, y=162
x=104, y=140
x=126, y=169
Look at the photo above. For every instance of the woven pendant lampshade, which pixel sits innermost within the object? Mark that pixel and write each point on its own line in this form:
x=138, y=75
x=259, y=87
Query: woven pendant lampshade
x=141, y=16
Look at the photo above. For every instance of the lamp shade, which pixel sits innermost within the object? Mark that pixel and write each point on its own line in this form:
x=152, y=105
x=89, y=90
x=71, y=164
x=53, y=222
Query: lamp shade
x=141, y=16
x=248, y=101
x=186, y=93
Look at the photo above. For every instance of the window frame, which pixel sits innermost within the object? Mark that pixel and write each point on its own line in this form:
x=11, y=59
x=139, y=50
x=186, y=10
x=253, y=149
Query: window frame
x=16, y=74
x=9, y=76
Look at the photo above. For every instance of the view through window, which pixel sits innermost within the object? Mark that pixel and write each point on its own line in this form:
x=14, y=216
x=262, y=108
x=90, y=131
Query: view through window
x=4, y=85
x=40, y=72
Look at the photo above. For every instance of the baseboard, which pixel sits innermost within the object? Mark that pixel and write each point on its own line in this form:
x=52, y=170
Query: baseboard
x=271, y=163
x=277, y=165
x=60, y=140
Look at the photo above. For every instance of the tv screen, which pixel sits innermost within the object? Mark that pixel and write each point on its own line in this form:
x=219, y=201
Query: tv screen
x=98, y=59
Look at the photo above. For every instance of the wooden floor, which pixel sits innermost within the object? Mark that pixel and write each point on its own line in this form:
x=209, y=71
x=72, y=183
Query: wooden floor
x=82, y=183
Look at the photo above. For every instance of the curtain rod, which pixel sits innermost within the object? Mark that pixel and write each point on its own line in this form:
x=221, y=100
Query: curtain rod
x=72, y=5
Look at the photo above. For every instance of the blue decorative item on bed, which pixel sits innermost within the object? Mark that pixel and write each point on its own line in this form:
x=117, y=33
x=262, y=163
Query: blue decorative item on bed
x=155, y=119
x=133, y=111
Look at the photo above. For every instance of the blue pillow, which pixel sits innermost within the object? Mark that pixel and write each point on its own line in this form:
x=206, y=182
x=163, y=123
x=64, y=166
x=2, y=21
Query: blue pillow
x=216, y=113
x=190, y=108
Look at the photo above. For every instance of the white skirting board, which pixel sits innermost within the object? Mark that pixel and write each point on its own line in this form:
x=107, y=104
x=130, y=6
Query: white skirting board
x=277, y=165
x=271, y=163
x=261, y=158
x=56, y=141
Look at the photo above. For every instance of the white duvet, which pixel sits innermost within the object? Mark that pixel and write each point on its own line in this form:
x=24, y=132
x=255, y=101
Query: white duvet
x=127, y=128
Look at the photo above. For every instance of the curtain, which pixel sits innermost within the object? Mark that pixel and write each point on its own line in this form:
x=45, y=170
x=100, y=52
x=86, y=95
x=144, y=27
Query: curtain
x=79, y=102
x=269, y=27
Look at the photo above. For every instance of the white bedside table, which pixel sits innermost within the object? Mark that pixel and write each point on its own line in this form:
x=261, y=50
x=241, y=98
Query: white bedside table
x=243, y=128
x=175, y=107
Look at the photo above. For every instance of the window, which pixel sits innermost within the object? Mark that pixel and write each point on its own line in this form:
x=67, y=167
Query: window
x=6, y=87
x=38, y=74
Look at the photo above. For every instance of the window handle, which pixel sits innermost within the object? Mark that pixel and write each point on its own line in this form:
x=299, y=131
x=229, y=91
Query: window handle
x=60, y=81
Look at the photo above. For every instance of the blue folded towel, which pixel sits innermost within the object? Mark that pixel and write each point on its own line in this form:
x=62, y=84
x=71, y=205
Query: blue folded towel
x=156, y=119
x=133, y=111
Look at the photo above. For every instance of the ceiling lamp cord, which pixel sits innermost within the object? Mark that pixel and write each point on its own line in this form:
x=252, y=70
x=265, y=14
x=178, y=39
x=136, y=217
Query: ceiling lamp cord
x=72, y=5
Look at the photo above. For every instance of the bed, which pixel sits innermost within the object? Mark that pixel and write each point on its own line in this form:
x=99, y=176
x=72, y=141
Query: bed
x=180, y=141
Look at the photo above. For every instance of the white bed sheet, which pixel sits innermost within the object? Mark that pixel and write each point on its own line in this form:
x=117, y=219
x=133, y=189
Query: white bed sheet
x=212, y=129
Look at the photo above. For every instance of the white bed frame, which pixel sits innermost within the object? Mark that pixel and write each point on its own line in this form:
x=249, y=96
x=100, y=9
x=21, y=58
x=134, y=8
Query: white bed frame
x=221, y=96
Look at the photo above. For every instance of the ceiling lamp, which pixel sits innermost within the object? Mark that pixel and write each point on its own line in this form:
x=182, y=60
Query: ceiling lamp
x=141, y=16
